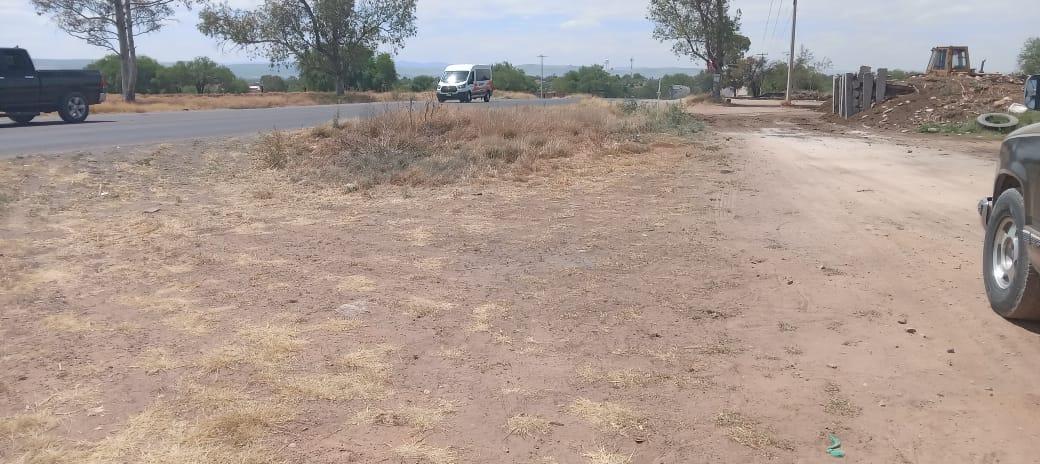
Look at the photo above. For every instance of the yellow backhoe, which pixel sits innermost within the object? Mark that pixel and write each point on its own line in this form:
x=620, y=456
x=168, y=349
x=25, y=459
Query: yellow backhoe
x=948, y=60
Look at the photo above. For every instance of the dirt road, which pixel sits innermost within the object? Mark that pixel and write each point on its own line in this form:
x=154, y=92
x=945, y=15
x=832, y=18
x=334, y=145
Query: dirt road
x=735, y=298
x=860, y=241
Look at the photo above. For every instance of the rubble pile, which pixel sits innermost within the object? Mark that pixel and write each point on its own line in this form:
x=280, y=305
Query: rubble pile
x=941, y=100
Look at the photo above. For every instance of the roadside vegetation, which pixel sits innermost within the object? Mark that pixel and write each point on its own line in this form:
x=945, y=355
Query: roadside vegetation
x=429, y=144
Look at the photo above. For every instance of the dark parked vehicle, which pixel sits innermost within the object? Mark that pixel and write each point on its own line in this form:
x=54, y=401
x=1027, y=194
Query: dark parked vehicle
x=1011, y=254
x=26, y=92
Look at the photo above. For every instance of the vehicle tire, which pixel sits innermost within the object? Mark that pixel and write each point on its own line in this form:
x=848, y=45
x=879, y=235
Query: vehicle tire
x=466, y=98
x=74, y=108
x=487, y=97
x=1012, y=284
x=21, y=118
x=440, y=100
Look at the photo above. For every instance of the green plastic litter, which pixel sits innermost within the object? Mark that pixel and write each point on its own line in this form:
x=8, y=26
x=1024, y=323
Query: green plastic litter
x=835, y=448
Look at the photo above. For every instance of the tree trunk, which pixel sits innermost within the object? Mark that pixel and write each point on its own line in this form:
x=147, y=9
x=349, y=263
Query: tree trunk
x=124, y=55
x=130, y=93
x=340, y=91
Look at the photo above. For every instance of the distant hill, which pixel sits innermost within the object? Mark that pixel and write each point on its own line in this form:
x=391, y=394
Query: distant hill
x=412, y=69
x=253, y=71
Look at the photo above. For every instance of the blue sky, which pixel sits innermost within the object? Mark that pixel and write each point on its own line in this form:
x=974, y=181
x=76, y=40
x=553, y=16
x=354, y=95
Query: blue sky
x=891, y=33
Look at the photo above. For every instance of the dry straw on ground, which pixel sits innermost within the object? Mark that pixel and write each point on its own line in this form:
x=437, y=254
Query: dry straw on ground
x=430, y=144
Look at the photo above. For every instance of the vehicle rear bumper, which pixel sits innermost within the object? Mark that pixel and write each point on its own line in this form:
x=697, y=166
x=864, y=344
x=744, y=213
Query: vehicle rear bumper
x=985, y=205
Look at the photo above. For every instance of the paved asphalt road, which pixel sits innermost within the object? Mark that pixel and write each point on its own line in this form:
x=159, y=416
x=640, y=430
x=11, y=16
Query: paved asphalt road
x=49, y=135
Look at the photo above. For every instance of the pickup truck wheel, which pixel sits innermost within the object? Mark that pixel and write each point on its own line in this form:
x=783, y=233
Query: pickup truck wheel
x=1012, y=284
x=21, y=118
x=74, y=108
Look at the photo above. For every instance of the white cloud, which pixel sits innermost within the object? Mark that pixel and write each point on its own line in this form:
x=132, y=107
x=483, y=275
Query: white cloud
x=579, y=23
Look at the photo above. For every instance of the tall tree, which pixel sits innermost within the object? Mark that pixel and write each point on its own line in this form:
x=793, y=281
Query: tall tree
x=700, y=29
x=1029, y=57
x=112, y=25
x=324, y=34
x=199, y=73
x=110, y=67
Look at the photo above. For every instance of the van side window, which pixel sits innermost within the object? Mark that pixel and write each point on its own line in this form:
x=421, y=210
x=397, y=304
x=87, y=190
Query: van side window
x=483, y=75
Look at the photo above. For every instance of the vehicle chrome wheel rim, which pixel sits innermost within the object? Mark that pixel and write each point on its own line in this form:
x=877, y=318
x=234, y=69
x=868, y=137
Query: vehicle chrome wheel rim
x=77, y=107
x=1005, y=253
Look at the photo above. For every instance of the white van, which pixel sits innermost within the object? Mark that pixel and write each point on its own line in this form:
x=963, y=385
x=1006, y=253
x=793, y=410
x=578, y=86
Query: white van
x=464, y=82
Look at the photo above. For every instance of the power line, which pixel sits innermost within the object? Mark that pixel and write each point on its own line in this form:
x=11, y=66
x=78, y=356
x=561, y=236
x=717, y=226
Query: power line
x=779, y=13
x=768, y=17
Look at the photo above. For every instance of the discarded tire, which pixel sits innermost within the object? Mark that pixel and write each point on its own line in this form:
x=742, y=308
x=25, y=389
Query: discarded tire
x=997, y=121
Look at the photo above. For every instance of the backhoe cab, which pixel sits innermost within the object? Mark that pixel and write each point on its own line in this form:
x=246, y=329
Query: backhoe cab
x=949, y=60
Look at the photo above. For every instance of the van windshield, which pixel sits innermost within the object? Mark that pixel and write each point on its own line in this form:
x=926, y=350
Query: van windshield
x=455, y=77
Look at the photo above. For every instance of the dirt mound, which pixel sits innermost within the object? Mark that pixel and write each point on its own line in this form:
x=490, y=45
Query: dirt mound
x=943, y=100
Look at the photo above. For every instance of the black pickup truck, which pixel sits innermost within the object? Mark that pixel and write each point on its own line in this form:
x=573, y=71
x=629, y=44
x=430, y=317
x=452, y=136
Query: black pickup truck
x=1011, y=254
x=26, y=92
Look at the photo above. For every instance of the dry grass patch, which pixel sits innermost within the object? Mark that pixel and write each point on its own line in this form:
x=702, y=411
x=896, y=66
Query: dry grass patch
x=365, y=375
x=243, y=423
x=432, y=145
x=482, y=316
x=371, y=359
x=157, y=435
x=65, y=322
x=418, y=417
x=841, y=406
x=192, y=322
x=273, y=343
x=418, y=308
x=21, y=425
x=453, y=354
x=610, y=416
x=749, y=432
x=356, y=283
x=622, y=378
x=156, y=360
x=525, y=426
x=418, y=453
x=602, y=456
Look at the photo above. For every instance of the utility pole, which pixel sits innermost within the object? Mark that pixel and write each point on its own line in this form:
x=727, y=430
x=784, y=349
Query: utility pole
x=790, y=62
x=541, y=82
x=631, y=66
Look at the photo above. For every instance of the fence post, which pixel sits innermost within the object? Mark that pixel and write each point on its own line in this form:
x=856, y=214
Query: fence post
x=835, y=100
x=881, y=85
x=850, y=95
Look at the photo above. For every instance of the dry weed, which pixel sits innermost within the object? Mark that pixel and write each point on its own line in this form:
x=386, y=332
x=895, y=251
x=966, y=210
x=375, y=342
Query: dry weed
x=748, y=432
x=602, y=456
x=418, y=308
x=418, y=453
x=66, y=323
x=610, y=416
x=525, y=426
x=623, y=378
x=418, y=417
x=481, y=318
x=455, y=354
x=156, y=360
x=841, y=406
x=433, y=145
